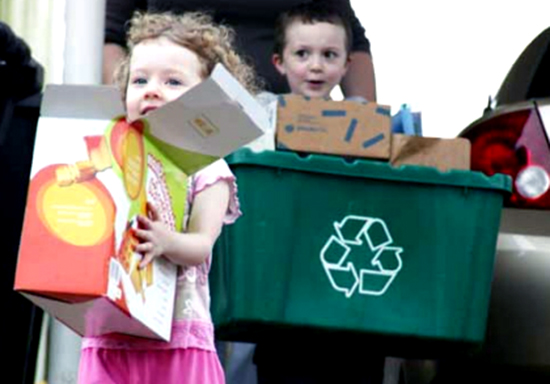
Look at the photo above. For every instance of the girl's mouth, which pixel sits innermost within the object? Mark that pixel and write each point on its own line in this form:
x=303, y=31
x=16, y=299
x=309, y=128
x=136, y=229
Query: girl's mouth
x=148, y=109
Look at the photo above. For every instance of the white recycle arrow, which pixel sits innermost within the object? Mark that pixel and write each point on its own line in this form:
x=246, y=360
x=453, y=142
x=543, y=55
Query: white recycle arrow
x=353, y=231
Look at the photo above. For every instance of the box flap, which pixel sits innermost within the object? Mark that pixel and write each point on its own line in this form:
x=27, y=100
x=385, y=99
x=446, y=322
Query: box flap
x=214, y=118
x=443, y=154
x=211, y=120
x=94, y=317
x=81, y=102
x=236, y=92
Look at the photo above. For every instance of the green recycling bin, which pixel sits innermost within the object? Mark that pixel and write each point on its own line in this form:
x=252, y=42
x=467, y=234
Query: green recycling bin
x=403, y=256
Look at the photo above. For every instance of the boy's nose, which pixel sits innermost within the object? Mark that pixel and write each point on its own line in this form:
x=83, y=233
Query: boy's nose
x=316, y=63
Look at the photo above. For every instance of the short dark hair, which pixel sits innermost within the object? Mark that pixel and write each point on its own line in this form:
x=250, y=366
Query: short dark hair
x=310, y=13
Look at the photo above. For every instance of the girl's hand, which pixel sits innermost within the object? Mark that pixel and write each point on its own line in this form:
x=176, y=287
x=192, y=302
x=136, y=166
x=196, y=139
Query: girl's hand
x=195, y=245
x=154, y=236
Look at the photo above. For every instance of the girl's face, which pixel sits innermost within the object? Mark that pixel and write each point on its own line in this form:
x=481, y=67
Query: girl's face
x=314, y=59
x=160, y=71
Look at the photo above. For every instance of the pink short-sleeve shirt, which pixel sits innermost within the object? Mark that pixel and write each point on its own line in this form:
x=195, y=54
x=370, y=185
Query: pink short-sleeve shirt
x=192, y=326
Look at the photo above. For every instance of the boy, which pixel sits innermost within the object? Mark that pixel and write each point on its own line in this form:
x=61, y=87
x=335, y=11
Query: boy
x=312, y=48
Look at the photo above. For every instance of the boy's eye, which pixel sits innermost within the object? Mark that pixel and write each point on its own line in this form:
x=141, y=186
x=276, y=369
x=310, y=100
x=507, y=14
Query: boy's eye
x=330, y=55
x=174, y=82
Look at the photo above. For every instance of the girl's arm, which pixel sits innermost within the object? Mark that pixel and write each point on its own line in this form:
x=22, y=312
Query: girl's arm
x=194, y=246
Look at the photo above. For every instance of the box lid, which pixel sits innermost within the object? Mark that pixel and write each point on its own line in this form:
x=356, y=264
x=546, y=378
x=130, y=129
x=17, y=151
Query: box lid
x=211, y=120
x=370, y=169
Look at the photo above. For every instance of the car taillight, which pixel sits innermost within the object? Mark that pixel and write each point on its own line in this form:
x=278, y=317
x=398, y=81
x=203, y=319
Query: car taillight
x=514, y=143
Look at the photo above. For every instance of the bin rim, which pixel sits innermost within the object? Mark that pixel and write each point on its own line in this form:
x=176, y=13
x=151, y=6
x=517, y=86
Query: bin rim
x=370, y=169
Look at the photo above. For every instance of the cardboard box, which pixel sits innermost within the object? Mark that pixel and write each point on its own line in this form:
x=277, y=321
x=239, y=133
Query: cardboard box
x=334, y=127
x=443, y=154
x=93, y=173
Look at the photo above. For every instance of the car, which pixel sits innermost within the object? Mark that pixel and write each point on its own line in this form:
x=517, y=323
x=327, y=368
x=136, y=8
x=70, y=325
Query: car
x=513, y=137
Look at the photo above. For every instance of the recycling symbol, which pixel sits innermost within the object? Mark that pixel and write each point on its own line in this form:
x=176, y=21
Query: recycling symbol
x=360, y=256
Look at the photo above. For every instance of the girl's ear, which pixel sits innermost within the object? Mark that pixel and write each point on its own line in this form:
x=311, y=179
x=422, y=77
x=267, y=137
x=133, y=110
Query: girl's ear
x=277, y=61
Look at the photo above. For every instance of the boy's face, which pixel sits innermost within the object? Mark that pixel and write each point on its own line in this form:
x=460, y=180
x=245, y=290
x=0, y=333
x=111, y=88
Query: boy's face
x=160, y=71
x=314, y=59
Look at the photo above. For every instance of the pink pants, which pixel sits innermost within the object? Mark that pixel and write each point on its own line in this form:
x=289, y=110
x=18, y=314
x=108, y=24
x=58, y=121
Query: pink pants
x=162, y=366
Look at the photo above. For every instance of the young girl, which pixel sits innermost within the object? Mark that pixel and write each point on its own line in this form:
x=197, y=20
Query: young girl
x=168, y=55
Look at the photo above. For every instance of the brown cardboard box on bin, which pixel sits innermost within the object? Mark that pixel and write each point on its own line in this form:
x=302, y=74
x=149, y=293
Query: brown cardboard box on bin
x=333, y=127
x=443, y=154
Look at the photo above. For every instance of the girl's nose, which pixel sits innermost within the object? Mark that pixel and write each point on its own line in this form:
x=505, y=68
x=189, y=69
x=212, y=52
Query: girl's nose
x=152, y=91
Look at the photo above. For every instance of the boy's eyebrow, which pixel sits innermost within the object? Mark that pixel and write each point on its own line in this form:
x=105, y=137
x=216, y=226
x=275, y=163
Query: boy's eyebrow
x=302, y=46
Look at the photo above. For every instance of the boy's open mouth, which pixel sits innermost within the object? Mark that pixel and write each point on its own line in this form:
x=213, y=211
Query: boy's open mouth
x=316, y=82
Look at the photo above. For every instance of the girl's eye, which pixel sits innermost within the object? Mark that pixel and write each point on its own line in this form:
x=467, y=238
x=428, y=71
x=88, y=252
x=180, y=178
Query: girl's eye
x=174, y=82
x=139, y=81
x=301, y=53
x=331, y=54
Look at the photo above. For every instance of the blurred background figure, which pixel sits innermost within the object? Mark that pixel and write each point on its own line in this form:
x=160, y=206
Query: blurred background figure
x=254, y=23
x=22, y=78
x=66, y=39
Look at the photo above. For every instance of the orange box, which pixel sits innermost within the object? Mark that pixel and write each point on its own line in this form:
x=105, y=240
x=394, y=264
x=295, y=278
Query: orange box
x=76, y=258
x=93, y=173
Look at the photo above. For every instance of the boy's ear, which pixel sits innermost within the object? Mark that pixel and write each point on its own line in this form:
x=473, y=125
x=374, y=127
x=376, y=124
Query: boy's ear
x=277, y=61
x=348, y=61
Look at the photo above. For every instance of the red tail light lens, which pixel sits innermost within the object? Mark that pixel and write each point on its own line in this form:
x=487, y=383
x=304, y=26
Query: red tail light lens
x=514, y=143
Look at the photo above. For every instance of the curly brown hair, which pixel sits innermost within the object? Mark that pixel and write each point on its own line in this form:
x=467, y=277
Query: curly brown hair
x=196, y=31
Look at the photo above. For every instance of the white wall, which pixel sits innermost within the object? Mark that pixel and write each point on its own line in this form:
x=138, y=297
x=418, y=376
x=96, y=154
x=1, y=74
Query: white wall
x=445, y=58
